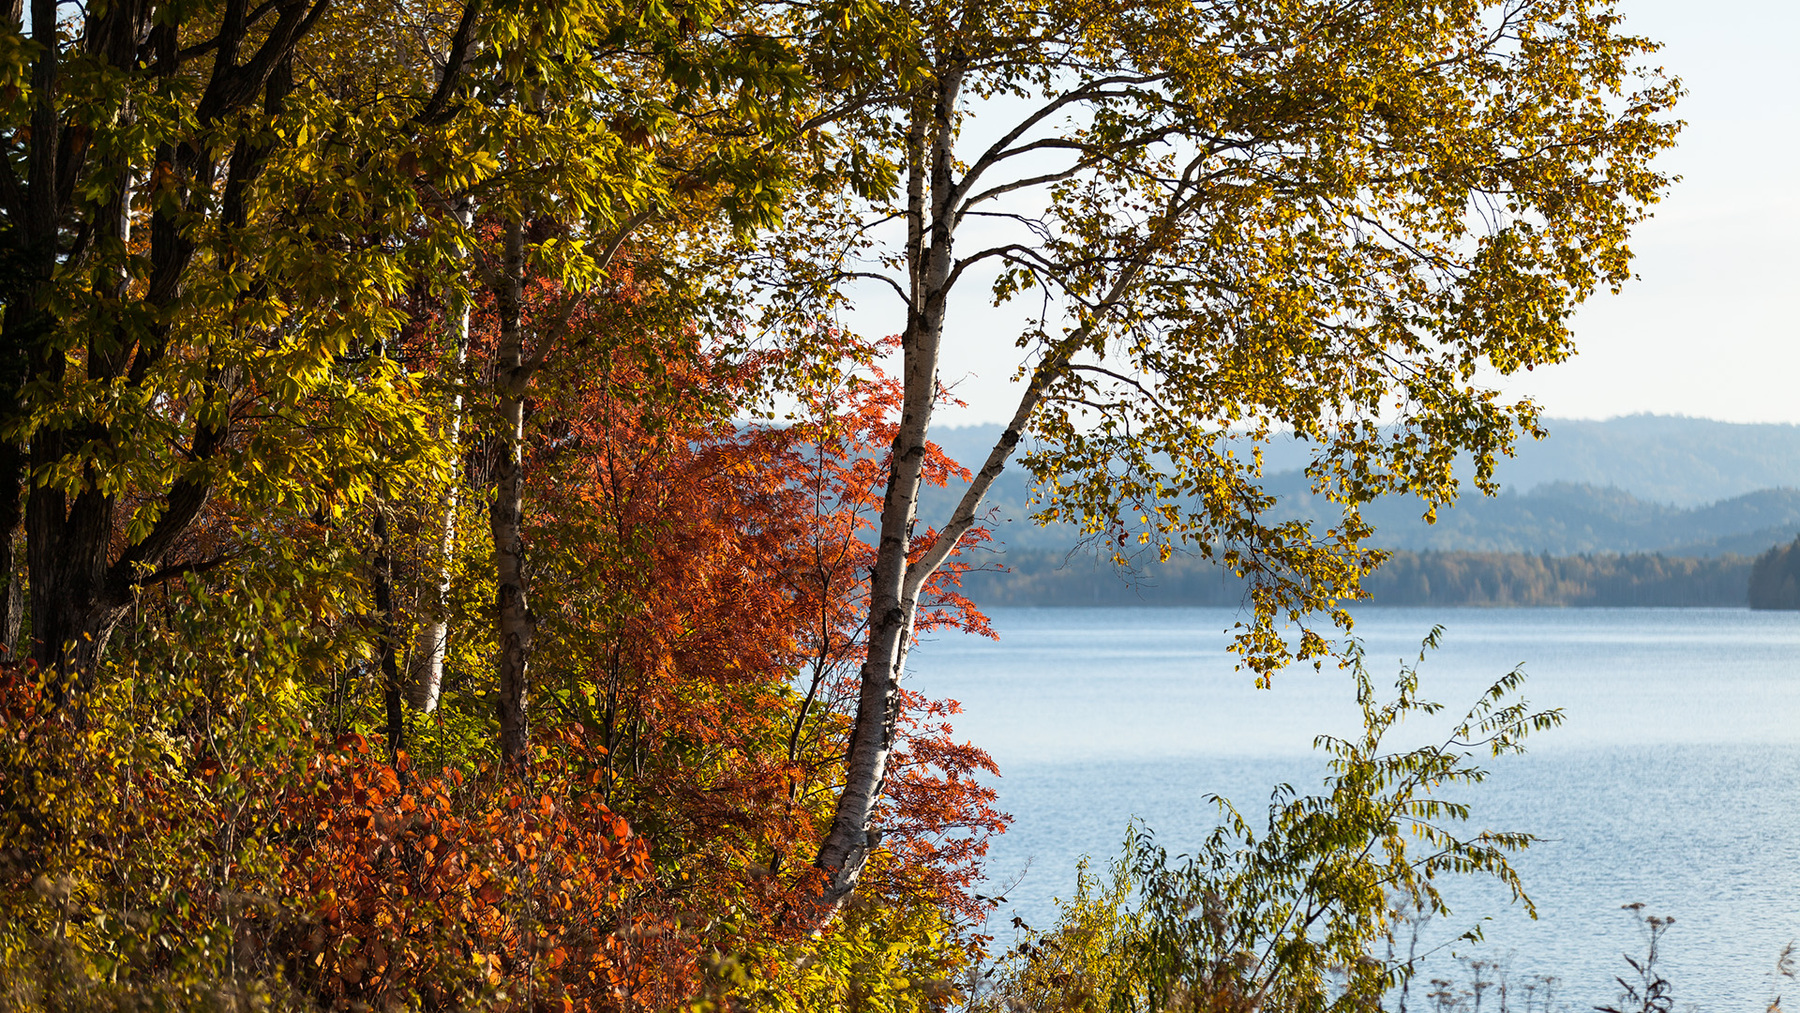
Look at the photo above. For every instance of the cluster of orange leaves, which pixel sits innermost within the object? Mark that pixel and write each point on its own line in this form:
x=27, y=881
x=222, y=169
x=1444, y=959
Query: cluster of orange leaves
x=701, y=584
x=740, y=553
x=359, y=882
x=434, y=890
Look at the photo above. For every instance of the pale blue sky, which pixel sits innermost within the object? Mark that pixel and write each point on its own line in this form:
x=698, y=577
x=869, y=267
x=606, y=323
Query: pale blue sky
x=1710, y=329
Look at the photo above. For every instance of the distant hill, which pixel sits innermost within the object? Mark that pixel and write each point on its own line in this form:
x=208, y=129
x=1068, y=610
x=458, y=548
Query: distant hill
x=1657, y=458
x=1646, y=510
x=1682, y=487
x=1661, y=458
x=1566, y=519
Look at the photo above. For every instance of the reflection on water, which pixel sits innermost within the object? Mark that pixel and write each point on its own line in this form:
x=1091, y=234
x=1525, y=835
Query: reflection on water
x=1675, y=780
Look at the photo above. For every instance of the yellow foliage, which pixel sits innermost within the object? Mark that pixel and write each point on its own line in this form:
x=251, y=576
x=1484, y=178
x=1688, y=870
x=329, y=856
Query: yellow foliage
x=881, y=955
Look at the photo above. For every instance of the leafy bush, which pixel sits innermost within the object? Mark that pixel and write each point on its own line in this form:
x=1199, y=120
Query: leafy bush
x=1290, y=916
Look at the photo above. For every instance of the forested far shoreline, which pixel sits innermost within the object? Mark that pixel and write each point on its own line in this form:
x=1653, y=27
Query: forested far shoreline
x=1456, y=579
x=1775, y=578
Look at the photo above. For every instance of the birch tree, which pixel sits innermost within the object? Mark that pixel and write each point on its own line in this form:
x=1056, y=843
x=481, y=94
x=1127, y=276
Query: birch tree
x=1334, y=219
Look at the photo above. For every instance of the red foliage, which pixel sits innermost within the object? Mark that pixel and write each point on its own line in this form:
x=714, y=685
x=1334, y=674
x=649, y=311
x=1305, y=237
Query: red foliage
x=702, y=588
x=728, y=564
x=437, y=889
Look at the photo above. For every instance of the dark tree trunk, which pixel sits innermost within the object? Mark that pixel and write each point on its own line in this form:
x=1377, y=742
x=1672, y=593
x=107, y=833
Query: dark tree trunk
x=516, y=624
x=79, y=589
x=392, y=690
x=75, y=603
x=12, y=503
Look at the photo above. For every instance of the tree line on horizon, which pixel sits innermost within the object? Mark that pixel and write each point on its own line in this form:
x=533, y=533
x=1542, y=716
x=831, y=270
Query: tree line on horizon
x=1566, y=518
x=1674, y=461
x=457, y=554
x=1448, y=579
x=1775, y=579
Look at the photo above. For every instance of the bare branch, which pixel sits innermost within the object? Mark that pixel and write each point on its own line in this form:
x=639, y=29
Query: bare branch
x=1002, y=149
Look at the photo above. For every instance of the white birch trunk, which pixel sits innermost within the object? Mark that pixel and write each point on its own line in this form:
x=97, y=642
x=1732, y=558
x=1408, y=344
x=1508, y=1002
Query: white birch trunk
x=893, y=600
x=425, y=662
x=934, y=198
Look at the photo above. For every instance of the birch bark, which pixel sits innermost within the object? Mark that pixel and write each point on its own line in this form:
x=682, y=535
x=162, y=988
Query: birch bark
x=937, y=200
x=893, y=598
x=425, y=664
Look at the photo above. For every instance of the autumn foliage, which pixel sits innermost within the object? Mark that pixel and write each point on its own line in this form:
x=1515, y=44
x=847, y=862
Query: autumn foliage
x=433, y=891
x=460, y=556
x=695, y=556
x=700, y=593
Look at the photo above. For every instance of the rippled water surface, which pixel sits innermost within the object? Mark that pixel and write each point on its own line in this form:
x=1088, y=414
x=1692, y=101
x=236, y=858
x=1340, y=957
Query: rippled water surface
x=1675, y=780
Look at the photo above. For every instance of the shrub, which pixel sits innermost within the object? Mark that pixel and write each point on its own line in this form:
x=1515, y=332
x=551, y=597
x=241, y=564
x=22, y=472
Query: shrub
x=1290, y=916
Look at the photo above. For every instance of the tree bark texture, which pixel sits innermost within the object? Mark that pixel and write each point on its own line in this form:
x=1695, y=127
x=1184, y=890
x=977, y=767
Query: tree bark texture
x=12, y=521
x=936, y=201
x=515, y=623
x=79, y=587
x=893, y=597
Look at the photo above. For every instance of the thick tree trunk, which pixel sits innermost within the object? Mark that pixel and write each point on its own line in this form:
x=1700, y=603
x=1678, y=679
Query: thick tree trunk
x=73, y=608
x=506, y=516
x=78, y=591
x=426, y=664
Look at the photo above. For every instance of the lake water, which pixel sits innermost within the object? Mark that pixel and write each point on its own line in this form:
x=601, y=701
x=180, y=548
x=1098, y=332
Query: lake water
x=1674, y=782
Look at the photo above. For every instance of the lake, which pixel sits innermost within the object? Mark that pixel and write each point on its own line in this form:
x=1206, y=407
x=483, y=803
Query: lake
x=1674, y=781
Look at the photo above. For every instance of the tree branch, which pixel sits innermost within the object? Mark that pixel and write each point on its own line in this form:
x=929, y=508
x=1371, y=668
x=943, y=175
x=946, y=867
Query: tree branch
x=437, y=111
x=1001, y=149
x=183, y=569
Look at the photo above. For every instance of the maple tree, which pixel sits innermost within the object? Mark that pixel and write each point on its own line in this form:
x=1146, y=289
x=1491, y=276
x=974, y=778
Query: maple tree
x=704, y=571
x=708, y=602
x=624, y=130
